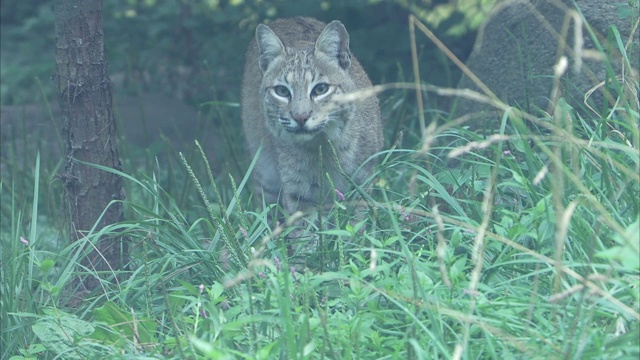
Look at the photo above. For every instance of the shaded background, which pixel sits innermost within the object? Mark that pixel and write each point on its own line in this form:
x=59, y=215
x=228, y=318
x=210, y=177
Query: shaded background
x=193, y=49
x=176, y=67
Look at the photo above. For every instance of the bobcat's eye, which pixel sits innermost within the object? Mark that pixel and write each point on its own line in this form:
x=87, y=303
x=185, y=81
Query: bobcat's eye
x=282, y=91
x=320, y=89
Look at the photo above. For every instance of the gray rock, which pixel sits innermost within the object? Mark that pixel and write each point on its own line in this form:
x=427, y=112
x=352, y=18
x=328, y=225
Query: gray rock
x=517, y=48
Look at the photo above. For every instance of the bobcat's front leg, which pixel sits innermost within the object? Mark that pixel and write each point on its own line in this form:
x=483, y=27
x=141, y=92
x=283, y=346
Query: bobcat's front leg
x=302, y=240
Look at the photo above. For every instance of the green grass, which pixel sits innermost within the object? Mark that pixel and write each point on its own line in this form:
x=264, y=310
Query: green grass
x=519, y=245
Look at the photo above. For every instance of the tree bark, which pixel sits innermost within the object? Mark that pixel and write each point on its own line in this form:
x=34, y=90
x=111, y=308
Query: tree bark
x=84, y=90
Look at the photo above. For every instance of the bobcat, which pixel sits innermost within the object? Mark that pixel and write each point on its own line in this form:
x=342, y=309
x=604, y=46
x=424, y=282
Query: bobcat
x=294, y=69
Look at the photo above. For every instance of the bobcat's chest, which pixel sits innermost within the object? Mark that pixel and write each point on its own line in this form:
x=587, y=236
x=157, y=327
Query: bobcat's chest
x=311, y=173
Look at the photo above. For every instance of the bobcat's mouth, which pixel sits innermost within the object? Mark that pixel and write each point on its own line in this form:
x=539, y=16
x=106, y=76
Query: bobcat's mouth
x=303, y=130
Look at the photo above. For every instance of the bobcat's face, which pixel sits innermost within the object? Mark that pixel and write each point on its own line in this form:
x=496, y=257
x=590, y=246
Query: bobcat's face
x=299, y=83
x=297, y=97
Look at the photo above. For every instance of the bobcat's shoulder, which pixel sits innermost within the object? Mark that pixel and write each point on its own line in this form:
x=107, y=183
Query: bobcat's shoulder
x=295, y=69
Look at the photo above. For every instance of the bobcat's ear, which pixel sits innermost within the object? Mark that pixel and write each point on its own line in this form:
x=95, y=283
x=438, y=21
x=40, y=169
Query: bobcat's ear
x=269, y=45
x=334, y=42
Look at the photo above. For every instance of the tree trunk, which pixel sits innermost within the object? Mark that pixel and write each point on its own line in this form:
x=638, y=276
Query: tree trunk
x=84, y=90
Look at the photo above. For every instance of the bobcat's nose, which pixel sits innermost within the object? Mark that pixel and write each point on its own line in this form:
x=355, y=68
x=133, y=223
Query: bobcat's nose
x=301, y=118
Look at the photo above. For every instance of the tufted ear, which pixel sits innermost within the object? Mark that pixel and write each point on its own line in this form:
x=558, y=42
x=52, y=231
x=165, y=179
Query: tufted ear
x=334, y=43
x=269, y=45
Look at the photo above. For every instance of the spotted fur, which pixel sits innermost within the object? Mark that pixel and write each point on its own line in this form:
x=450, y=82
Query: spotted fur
x=294, y=70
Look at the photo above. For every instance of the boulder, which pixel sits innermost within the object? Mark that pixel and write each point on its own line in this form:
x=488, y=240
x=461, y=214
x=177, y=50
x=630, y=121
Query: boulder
x=520, y=43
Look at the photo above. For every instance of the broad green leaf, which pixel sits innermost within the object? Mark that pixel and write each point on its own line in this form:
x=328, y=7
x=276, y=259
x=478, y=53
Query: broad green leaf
x=47, y=264
x=628, y=253
x=123, y=322
x=60, y=334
